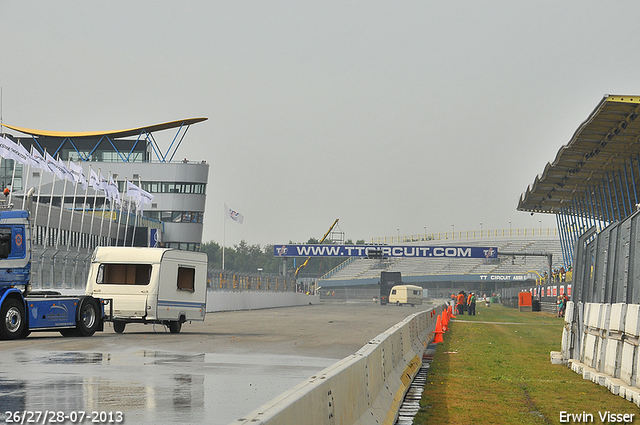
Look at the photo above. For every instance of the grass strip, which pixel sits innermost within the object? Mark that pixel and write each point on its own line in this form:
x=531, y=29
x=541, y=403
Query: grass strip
x=494, y=368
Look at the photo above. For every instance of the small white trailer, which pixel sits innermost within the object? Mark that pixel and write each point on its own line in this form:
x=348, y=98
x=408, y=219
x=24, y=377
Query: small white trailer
x=406, y=294
x=150, y=285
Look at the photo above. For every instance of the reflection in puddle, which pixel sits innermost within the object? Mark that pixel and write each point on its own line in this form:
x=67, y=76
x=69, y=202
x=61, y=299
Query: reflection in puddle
x=149, y=387
x=76, y=358
x=139, y=402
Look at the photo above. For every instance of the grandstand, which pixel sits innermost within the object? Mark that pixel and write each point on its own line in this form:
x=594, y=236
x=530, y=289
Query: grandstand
x=455, y=272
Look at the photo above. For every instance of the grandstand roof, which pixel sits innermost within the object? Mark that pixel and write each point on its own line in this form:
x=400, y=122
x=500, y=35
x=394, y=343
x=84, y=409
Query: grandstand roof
x=114, y=134
x=603, y=152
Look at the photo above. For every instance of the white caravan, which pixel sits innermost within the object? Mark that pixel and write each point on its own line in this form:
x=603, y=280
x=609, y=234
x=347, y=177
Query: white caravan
x=150, y=285
x=405, y=294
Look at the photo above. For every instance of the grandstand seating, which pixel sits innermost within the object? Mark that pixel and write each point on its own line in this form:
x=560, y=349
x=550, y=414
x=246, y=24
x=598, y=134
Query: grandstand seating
x=362, y=268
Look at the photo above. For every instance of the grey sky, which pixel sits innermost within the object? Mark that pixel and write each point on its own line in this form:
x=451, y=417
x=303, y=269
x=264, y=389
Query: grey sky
x=386, y=115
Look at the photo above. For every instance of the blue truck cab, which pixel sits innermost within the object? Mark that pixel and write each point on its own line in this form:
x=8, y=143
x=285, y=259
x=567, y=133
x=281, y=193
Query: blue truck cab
x=22, y=310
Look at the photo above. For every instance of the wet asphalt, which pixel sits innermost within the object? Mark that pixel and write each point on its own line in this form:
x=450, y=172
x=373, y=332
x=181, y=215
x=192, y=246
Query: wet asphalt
x=212, y=372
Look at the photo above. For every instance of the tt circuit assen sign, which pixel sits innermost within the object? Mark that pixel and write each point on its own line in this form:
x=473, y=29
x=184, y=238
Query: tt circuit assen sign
x=385, y=251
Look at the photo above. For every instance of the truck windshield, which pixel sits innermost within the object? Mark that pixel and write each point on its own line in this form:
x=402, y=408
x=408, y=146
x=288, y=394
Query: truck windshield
x=124, y=274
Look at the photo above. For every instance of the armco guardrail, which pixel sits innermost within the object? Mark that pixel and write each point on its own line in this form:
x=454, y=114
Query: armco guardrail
x=364, y=388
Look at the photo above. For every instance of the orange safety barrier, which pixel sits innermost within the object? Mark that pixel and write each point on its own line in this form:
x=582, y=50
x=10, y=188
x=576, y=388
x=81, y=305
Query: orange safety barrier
x=524, y=299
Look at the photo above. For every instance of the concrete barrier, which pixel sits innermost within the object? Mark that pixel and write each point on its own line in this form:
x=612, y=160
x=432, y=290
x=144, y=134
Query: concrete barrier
x=608, y=339
x=254, y=300
x=365, y=388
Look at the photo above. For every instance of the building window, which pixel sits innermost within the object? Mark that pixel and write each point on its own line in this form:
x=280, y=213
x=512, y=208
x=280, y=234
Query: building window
x=112, y=156
x=183, y=246
x=176, y=216
x=73, y=155
x=173, y=187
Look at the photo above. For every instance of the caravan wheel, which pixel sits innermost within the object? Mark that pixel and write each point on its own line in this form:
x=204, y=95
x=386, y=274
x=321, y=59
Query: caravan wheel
x=174, y=327
x=118, y=326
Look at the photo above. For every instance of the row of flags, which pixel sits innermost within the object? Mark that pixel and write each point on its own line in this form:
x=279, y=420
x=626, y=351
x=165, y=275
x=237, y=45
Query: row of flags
x=73, y=173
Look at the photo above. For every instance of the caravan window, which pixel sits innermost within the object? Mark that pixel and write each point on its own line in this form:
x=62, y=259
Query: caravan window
x=124, y=274
x=186, y=279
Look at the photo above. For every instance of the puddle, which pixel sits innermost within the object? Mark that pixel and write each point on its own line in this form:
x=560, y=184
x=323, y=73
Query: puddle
x=153, y=387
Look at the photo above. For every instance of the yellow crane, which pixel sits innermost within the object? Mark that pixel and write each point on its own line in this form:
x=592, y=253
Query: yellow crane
x=302, y=266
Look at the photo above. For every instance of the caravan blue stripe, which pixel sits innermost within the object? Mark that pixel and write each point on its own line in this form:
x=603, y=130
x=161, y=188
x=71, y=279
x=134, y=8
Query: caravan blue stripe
x=180, y=304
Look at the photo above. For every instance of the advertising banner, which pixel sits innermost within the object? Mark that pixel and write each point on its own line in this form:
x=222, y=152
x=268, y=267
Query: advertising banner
x=384, y=251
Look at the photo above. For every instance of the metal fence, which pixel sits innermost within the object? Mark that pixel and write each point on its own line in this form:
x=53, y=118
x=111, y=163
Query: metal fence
x=230, y=280
x=546, y=294
x=59, y=269
x=607, y=264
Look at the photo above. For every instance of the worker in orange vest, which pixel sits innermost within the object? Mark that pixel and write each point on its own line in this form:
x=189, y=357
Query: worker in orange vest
x=460, y=304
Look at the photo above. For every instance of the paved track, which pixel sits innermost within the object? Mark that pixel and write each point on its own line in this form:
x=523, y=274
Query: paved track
x=211, y=372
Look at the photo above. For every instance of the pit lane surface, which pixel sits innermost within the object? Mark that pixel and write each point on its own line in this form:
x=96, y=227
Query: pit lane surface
x=211, y=372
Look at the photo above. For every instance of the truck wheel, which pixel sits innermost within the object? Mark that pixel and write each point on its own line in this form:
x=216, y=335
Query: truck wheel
x=12, y=320
x=118, y=326
x=398, y=303
x=174, y=327
x=88, y=317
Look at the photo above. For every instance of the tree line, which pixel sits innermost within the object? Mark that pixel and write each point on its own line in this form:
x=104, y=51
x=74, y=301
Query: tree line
x=247, y=258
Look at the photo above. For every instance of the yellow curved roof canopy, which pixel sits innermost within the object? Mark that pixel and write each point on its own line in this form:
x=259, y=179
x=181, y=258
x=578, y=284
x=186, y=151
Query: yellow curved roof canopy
x=603, y=144
x=112, y=134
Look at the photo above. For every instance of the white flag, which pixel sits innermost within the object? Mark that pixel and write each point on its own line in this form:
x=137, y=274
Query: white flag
x=25, y=156
x=39, y=161
x=113, y=192
x=55, y=166
x=10, y=150
x=234, y=215
x=78, y=175
x=104, y=186
x=68, y=175
x=140, y=195
x=94, y=181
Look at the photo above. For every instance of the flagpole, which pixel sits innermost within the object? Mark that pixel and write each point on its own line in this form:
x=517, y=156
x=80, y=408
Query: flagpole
x=53, y=186
x=95, y=201
x=126, y=225
x=25, y=179
x=73, y=209
x=138, y=210
x=13, y=177
x=64, y=193
x=110, y=213
x=120, y=218
x=103, y=206
x=84, y=212
x=39, y=198
x=224, y=231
